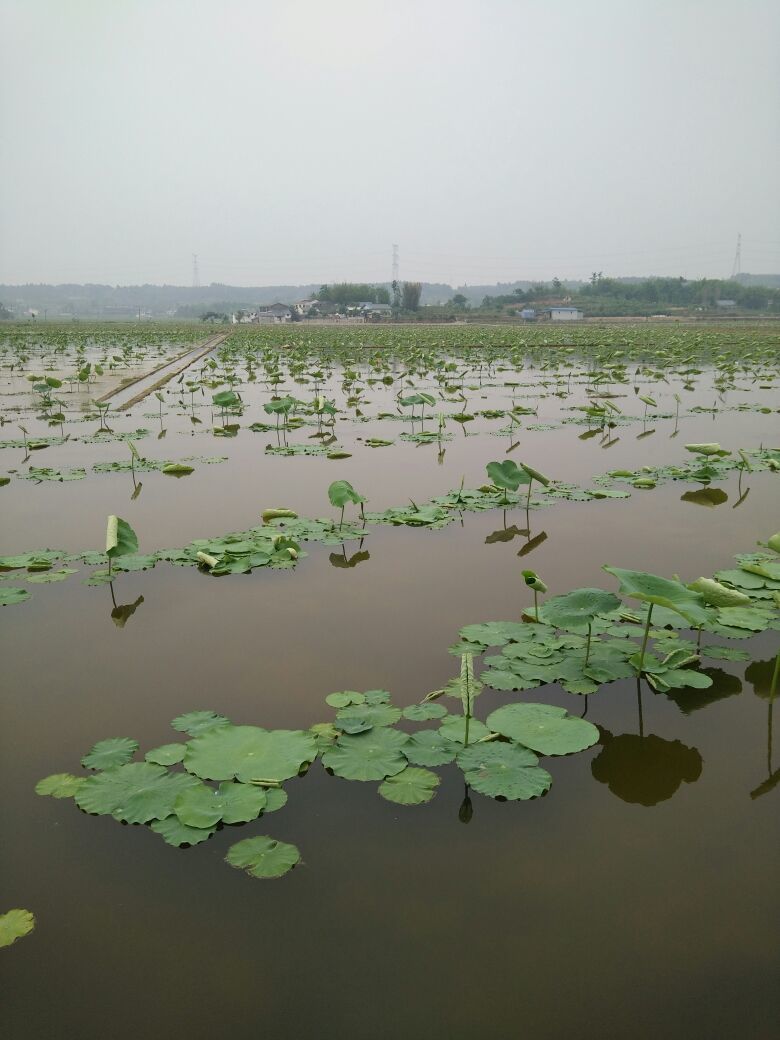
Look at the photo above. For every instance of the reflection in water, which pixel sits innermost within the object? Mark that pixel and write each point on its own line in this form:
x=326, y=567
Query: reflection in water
x=724, y=684
x=741, y=498
x=466, y=810
x=709, y=497
x=506, y=534
x=533, y=544
x=764, y=676
x=343, y=561
x=122, y=613
x=644, y=770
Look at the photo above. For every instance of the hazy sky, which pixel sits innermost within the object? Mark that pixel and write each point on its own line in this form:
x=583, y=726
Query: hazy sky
x=296, y=140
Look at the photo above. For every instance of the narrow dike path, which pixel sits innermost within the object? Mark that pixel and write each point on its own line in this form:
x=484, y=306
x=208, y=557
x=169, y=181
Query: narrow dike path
x=129, y=394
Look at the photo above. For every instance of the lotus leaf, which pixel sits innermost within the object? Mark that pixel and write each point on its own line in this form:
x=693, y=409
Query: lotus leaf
x=424, y=712
x=60, y=785
x=579, y=608
x=367, y=756
x=344, y=698
x=197, y=722
x=458, y=729
x=358, y=718
x=107, y=754
x=650, y=588
x=175, y=833
x=15, y=924
x=411, y=786
x=166, y=754
x=544, y=728
x=263, y=857
x=717, y=595
x=429, y=747
x=134, y=793
x=10, y=595
x=249, y=753
x=202, y=806
x=121, y=539
x=502, y=770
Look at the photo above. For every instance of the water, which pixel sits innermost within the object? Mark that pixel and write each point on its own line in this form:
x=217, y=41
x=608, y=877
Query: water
x=588, y=912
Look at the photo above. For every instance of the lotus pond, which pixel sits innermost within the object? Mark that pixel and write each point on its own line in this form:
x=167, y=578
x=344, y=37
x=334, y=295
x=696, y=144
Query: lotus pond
x=389, y=682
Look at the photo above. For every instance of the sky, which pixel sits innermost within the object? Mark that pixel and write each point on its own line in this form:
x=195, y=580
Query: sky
x=295, y=141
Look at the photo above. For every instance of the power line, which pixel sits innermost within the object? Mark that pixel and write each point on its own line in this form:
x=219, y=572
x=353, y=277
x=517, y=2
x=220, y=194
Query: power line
x=737, y=268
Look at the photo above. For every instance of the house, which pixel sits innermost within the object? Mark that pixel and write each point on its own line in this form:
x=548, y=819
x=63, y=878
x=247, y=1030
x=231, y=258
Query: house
x=565, y=314
x=726, y=304
x=304, y=307
x=528, y=314
x=375, y=311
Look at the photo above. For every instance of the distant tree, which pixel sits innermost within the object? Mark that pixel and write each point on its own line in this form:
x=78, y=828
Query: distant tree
x=215, y=317
x=396, y=295
x=410, y=294
x=5, y=314
x=348, y=293
x=557, y=284
x=459, y=300
x=381, y=295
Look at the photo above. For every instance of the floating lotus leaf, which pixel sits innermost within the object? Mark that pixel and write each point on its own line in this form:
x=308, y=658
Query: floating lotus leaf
x=249, y=753
x=507, y=680
x=752, y=618
x=358, y=718
x=203, y=806
x=275, y=798
x=10, y=595
x=107, y=754
x=134, y=793
x=411, y=786
x=344, y=698
x=429, y=748
x=494, y=633
x=707, y=449
x=367, y=756
x=454, y=728
x=197, y=722
x=175, y=833
x=60, y=785
x=166, y=754
x=502, y=770
x=263, y=857
x=651, y=588
x=424, y=712
x=325, y=734
x=377, y=697
x=577, y=609
x=543, y=728
x=15, y=924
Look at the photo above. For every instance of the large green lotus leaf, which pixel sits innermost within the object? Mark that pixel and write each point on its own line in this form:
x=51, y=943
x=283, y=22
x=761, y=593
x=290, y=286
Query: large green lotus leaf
x=543, y=728
x=344, y=698
x=107, y=754
x=724, y=653
x=429, y=748
x=502, y=770
x=249, y=753
x=506, y=679
x=358, y=718
x=60, y=785
x=411, y=786
x=275, y=798
x=325, y=734
x=367, y=756
x=134, y=793
x=121, y=539
x=166, y=754
x=197, y=722
x=263, y=857
x=741, y=579
x=507, y=475
x=679, y=678
x=175, y=833
x=10, y=595
x=651, y=588
x=377, y=697
x=424, y=712
x=341, y=492
x=752, y=618
x=454, y=728
x=578, y=608
x=14, y=924
x=494, y=633
x=203, y=806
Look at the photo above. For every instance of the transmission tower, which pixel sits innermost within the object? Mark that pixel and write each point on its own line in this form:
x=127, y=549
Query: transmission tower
x=737, y=268
x=195, y=272
x=396, y=263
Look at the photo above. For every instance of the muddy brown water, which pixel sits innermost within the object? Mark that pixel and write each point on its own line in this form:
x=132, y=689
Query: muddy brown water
x=638, y=898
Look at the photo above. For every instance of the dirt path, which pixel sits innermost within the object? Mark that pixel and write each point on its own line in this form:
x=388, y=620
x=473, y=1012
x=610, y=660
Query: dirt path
x=146, y=384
